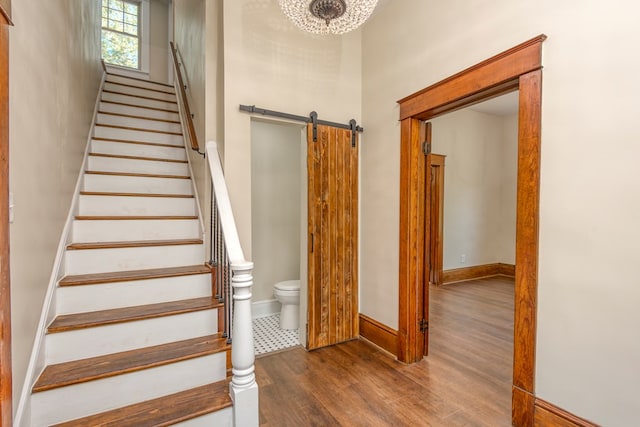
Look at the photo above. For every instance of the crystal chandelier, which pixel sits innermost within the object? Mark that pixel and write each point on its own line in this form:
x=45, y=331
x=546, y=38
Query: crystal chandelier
x=328, y=16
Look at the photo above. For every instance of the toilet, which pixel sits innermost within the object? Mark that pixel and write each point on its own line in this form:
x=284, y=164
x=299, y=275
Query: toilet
x=288, y=294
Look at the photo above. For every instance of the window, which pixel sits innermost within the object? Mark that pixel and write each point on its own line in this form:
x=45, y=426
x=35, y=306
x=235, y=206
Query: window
x=121, y=33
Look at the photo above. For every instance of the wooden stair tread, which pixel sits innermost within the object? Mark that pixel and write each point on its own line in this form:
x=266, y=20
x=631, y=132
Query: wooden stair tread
x=139, y=106
x=142, y=87
x=109, y=193
x=163, y=411
x=133, y=116
x=125, y=276
x=151, y=159
x=94, y=368
x=133, y=244
x=138, y=175
x=139, y=129
x=70, y=322
x=133, y=217
x=138, y=96
x=139, y=79
x=131, y=141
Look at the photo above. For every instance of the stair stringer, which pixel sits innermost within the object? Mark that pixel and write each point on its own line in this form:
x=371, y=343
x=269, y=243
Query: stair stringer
x=37, y=358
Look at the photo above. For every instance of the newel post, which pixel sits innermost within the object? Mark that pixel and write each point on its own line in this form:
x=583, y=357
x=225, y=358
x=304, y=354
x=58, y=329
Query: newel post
x=243, y=388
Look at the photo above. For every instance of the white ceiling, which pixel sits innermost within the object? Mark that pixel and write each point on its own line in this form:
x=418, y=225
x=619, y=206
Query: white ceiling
x=501, y=106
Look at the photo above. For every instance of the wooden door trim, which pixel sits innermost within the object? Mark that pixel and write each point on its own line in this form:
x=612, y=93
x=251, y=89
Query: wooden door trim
x=516, y=68
x=487, y=79
x=6, y=402
x=436, y=248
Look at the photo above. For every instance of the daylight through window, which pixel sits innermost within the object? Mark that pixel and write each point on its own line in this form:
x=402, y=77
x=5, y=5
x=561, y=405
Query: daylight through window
x=121, y=33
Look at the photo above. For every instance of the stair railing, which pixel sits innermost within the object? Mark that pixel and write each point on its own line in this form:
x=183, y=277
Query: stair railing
x=234, y=270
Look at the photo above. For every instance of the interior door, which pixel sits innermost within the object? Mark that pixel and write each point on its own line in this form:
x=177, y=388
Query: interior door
x=332, y=163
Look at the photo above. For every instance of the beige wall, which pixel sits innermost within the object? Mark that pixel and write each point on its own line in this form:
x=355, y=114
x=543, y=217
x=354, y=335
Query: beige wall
x=190, y=21
x=269, y=63
x=276, y=177
x=588, y=294
x=54, y=77
x=159, y=40
x=480, y=173
x=198, y=36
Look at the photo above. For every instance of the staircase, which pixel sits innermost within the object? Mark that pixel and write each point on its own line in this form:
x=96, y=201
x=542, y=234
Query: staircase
x=133, y=337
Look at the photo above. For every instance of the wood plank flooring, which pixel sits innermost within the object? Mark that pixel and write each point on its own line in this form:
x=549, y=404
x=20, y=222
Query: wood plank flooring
x=465, y=381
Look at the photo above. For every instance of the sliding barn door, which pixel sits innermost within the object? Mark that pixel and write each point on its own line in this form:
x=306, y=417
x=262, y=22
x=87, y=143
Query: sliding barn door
x=332, y=163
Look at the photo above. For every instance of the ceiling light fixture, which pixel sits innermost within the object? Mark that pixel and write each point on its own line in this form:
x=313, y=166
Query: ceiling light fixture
x=328, y=16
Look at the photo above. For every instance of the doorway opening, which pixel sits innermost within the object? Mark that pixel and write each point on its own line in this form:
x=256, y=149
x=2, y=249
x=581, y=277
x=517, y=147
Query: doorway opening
x=472, y=248
x=278, y=224
x=517, y=68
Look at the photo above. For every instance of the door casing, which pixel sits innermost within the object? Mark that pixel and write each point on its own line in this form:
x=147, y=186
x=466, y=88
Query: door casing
x=519, y=68
x=6, y=401
x=436, y=218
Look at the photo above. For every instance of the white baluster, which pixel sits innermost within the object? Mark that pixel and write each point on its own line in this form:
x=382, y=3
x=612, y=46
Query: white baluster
x=243, y=388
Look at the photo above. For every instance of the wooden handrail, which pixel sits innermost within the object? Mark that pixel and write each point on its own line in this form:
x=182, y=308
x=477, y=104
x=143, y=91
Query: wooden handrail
x=182, y=96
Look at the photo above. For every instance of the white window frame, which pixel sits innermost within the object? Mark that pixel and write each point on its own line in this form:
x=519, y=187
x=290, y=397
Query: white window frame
x=144, y=22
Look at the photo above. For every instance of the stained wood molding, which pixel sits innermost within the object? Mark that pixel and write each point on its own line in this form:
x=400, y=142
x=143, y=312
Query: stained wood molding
x=379, y=334
x=522, y=407
x=470, y=86
x=517, y=68
x=478, y=272
x=6, y=402
x=549, y=415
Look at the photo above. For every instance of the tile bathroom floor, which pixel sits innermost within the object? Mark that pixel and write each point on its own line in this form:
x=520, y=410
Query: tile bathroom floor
x=268, y=337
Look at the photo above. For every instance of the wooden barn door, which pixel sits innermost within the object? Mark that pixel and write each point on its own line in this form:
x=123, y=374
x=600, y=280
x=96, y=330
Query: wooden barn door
x=332, y=163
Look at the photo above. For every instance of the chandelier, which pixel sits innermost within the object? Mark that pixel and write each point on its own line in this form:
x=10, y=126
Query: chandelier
x=328, y=16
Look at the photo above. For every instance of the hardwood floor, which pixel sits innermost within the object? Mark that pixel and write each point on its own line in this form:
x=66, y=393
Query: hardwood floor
x=465, y=381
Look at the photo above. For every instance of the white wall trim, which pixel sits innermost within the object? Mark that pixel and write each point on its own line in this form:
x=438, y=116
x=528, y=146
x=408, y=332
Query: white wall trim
x=264, y=308
x=37, y=359
x=145, y=36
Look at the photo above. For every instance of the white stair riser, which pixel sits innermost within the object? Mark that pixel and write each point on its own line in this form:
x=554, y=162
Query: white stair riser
x=148, y=84
x=90, y=342
x=141, y=150
x=86, y=261
x=143, y=102
x=121, y=230
x=111, y=119
x=136, y=184
x=103, y=296
x=116, y=164
x=150, y=93
x=222, y=418
x=137, y=135
x=133, y=205
x=138, y=111
x=96, y=396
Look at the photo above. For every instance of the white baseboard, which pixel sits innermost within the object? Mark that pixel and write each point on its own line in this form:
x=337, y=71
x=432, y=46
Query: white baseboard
x=265, y=308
